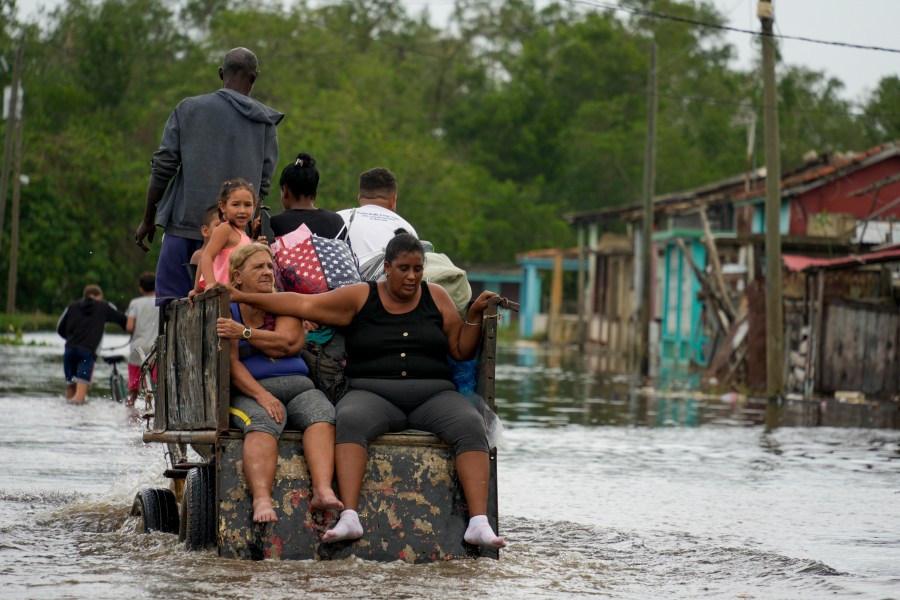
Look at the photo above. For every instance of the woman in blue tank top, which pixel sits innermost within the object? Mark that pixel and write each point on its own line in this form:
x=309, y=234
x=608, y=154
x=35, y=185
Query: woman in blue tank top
x=270, y=389
x=399, y=332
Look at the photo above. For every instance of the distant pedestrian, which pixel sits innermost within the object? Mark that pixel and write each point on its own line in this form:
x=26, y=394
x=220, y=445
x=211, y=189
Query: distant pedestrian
x=143, y=325
x=82, y=325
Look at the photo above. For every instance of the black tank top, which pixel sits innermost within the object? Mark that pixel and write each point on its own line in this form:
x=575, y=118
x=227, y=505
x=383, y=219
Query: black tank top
x=389, y=346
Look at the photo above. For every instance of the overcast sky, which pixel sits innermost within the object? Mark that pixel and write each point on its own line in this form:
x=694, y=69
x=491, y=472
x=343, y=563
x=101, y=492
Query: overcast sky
x=864, y=22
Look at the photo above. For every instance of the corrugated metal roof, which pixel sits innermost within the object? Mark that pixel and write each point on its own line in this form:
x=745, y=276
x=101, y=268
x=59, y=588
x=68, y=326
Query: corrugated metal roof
x=819, y=172
x=808, y=179
x=796, y=262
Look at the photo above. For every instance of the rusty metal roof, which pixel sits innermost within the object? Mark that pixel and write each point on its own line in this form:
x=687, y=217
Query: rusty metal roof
x=818, y=172
x=795, y=262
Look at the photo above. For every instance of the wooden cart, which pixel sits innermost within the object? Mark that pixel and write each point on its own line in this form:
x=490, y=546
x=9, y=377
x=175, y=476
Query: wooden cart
x=411, y=505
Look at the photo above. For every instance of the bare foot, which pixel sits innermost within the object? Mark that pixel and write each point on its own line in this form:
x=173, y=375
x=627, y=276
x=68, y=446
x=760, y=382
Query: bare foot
x=263, y=511
x=75, y=401
x=325, y=501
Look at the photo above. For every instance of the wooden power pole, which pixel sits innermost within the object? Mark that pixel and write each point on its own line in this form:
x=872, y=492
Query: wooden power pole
x=647, y=230
x=13, y=275
x=774, y=302
x=9, y=140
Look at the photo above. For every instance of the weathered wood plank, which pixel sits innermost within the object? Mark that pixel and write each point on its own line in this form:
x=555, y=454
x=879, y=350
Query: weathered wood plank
x=871, y=360
x=859, y=349
x=829, y=337
x=892, y=355
x=848, y=331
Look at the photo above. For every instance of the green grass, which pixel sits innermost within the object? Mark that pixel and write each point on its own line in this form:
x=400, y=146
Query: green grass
x=27, y=322
x=12, y=327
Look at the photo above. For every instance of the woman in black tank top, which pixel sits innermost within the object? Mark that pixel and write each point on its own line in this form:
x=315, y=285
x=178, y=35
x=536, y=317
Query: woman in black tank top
x=399, y=332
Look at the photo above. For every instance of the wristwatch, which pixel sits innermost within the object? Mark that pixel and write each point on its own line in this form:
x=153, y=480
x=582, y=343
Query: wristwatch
x=247, y=333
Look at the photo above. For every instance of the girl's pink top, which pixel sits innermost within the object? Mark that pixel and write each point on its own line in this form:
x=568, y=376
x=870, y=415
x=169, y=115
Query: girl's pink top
x=220, y=262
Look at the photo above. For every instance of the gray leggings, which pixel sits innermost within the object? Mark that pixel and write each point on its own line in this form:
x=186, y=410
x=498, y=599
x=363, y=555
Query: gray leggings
x=304, y=406
x=376, y=406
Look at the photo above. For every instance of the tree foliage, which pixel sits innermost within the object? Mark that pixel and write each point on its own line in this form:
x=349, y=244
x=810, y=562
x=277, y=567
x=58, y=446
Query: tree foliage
x=496, y=126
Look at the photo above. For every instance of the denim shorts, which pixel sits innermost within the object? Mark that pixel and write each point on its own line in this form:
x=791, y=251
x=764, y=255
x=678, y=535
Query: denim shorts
x=78, y=365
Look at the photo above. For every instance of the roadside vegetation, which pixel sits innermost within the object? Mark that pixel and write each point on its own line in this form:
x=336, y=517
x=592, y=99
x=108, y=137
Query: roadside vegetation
x=496, y=127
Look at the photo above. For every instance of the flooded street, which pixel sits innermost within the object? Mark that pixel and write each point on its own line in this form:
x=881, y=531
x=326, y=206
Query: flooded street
x=604, y=492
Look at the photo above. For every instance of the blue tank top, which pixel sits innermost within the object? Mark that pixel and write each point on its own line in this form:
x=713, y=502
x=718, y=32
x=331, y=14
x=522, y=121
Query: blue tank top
x=260, y=365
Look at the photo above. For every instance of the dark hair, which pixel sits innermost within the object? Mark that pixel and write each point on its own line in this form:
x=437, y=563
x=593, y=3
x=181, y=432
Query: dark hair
x=401, y=243
x=301, y=176
x=147, y=281
x=240, y=61
x=92, y=290
x=377, y=183
x=237, y=184
x=211, y=213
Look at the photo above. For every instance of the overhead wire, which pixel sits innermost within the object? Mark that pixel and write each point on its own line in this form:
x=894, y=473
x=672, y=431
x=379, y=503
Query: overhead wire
x=690, y=21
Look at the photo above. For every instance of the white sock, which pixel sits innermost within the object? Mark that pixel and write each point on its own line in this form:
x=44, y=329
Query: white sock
x=348, y=527
x=479, y=533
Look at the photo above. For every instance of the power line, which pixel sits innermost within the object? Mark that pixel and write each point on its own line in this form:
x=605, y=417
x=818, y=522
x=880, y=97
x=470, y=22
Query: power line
x=668, y=17
x=752, y=105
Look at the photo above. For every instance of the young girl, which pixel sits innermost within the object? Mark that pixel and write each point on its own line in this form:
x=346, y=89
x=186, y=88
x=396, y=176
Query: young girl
x=237, y=201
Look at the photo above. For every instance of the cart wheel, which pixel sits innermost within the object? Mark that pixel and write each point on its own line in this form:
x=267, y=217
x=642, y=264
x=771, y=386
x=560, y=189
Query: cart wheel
x=157, y=510
x=198, y=509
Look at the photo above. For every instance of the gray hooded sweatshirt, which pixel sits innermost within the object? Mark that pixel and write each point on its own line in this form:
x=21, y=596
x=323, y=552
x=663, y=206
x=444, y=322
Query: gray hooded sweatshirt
x=209, y=139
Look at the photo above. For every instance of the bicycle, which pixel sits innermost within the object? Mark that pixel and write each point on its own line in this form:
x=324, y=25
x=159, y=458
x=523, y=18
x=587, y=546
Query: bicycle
x=118, y=387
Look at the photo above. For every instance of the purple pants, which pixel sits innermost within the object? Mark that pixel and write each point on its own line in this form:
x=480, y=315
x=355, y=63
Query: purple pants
x=173, y=280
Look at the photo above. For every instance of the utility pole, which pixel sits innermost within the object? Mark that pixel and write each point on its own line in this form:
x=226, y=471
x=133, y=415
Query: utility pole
x=11, y=120
x=13, y=275
x=647, y=230
x=774, y=302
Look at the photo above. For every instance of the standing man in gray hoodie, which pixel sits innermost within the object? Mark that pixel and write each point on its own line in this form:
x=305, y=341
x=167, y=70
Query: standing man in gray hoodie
x=208, y=140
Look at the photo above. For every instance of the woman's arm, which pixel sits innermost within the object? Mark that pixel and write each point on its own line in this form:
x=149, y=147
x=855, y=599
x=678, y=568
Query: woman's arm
x=247, y=385
x=462, y=337
x=337, y=307
x=287, y=339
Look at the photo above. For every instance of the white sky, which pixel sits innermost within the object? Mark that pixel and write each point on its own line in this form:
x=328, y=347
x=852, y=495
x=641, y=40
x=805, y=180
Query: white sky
x=866, y=22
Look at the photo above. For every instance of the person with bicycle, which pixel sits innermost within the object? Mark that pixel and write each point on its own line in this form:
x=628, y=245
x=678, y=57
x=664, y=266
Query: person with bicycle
x=82, y=325
x=143, y=325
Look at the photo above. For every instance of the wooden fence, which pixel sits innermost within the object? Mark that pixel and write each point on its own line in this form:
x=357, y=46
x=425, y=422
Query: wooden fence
x=859, y=349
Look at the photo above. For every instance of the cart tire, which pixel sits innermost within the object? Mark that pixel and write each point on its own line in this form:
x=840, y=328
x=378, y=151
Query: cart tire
x=157, y=509
x=198, y=509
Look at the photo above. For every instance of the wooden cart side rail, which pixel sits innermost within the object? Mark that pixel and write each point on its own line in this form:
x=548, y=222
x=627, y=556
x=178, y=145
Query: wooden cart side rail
x=194, y=368
x=488, y=353
x=406, y=438
x=205, y=438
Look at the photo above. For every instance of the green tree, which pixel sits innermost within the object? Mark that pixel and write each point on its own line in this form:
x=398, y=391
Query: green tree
x=881, y=118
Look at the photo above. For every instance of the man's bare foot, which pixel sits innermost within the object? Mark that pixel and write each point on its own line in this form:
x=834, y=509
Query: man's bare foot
x=326, y=500
x=263, y=511
x=75, y=401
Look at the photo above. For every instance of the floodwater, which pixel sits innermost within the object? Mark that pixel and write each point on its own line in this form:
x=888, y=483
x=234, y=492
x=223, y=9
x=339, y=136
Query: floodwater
x=604, y=492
